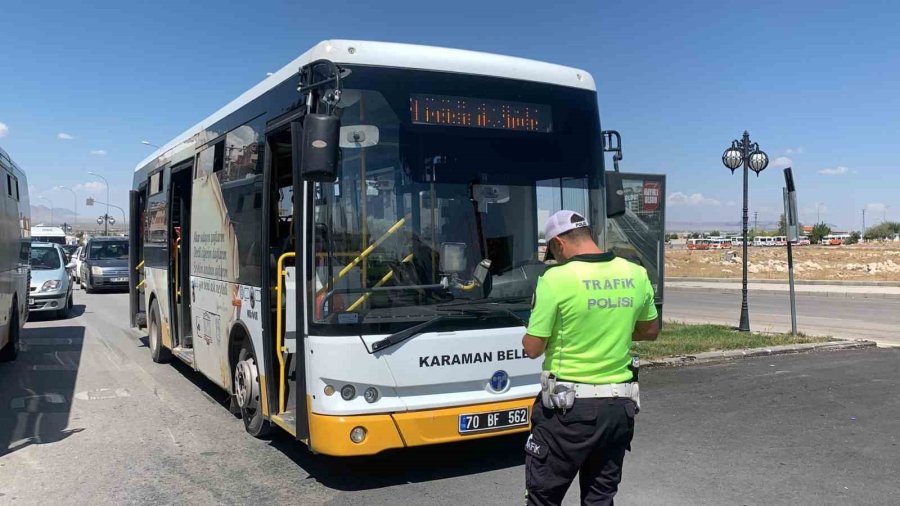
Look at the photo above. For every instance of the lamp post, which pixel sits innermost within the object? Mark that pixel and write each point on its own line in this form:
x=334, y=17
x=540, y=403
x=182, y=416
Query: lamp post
x=743, y=152
x=148, y=143
x=75, y=197
x=51, y=207
x=106, y=218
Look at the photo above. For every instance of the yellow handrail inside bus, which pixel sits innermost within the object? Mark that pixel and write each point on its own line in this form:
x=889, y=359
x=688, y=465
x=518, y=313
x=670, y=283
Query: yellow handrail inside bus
x=138, y=266
x=177, y=280
x=380, y=282
x=279, y=339
x=394, y=228
x=141, y=284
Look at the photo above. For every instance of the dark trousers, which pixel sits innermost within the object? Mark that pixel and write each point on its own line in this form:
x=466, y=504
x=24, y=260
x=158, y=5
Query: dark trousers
x=590, y=439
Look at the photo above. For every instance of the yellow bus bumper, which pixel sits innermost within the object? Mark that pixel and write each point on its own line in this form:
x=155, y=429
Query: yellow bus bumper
x=330, y=435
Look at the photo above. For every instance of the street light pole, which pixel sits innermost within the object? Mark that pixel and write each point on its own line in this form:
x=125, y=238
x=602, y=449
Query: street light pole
x=106, y=217
x=75, y=196
x=743, y=152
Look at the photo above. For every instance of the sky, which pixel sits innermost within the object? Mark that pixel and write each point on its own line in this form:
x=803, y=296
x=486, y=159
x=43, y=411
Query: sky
x=814, y=82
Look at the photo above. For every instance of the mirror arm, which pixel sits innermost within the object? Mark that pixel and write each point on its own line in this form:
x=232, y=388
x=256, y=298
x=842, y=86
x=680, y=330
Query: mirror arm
x=612, y=143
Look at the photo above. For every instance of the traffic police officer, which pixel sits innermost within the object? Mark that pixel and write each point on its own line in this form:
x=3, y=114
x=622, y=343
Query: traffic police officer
x=586, y=311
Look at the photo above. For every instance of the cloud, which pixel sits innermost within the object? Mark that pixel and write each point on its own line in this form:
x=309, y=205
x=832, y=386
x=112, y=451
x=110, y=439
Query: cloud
x=90, y=187
x=836, y=171
x=794, y=151
x=694, y=199
x=99, y=152
x=876, y=207
x=4, y=130
x=64, y=136
x=781, y=162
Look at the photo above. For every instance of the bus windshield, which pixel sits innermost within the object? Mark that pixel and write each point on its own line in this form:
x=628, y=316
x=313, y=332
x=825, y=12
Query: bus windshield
x=450, y=170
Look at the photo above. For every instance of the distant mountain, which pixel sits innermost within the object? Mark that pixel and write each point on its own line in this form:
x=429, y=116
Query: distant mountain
x=88, y=216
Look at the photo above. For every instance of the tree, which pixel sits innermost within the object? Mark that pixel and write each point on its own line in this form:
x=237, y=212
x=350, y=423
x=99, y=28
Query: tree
x=884, y=230
x=715, y=233
x=854, y=238
x=819, y=231
x=782, y=225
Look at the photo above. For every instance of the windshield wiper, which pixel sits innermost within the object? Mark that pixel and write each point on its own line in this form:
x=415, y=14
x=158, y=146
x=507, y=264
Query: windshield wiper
x=457, y=310
x=403, y=335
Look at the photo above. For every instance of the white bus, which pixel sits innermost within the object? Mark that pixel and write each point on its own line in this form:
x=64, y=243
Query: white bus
x=15, y=255
x=373, y=300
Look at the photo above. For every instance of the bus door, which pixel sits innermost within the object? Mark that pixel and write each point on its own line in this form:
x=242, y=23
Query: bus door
x=638, y=235
x=137, y=305
x=179, y=261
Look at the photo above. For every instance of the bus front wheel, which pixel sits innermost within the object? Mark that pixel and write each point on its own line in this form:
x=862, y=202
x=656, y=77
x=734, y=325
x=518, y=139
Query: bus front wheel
x=159, y=353
x=246, y=393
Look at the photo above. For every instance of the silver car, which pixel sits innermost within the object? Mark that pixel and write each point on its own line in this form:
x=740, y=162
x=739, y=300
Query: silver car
x=51, y=281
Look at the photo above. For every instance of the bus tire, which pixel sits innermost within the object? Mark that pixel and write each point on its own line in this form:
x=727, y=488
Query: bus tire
x=159, y=353
x=11, y=350
x=247, y=392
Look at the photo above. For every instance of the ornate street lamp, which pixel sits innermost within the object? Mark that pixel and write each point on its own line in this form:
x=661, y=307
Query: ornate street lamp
x=743, y=152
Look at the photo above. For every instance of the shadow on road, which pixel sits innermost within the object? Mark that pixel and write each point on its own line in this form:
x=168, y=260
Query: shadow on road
x=407, y=465
x=394, y=467
x=36, y=390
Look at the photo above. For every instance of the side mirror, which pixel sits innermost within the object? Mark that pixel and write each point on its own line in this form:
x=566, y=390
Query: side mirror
x=615, y=195
x=316, y=147
x=70, y=265
x=453, y=257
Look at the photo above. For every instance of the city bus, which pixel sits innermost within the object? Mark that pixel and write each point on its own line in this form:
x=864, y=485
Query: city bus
x=350, y=247
x=15, y=255
x=835, y=239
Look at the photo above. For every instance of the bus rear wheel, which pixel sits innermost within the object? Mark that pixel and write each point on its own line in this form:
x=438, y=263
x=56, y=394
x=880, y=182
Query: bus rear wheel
x=246, y=393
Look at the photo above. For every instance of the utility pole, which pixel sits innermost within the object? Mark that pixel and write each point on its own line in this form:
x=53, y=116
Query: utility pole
x=864, y=222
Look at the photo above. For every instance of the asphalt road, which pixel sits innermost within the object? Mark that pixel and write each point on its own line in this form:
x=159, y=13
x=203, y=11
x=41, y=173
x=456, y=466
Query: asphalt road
x=875, y=319
x=86, y=417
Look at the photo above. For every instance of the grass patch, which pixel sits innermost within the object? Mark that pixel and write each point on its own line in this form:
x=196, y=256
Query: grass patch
x=682, y=339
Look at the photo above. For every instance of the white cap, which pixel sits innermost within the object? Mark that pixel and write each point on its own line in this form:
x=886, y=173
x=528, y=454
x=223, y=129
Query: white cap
x=561, y=222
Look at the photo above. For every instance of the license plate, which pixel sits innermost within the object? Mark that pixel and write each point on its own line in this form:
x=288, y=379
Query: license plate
x=493, y=420
x=119, y=280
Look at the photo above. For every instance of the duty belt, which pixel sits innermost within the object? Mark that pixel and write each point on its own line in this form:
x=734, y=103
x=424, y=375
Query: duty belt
x=612, y=390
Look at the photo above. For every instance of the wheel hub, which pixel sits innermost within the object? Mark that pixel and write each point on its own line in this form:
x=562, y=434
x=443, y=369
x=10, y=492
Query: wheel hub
x=246, y=384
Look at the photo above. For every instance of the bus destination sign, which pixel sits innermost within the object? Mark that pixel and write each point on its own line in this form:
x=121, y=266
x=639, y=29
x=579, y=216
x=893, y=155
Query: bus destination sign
x=479, y=113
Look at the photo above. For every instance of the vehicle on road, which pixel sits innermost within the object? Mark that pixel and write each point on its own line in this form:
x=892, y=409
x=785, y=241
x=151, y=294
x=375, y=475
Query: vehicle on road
x=78, y=258
x=51, y=280
x=835, y=239
x=764, y=241
x=54, y=235
x=15, y=247
x=70, y=250
x=105, y=264
x=353, y=259
x=698, y=244
x=720, y=243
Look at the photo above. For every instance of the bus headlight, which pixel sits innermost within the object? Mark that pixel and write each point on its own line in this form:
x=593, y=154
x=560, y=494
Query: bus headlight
x=371, y=395
x=348, y=392
x=96, y=271
x=358, y=434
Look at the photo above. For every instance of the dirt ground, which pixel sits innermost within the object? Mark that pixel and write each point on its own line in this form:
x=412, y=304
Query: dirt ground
x=860, y=262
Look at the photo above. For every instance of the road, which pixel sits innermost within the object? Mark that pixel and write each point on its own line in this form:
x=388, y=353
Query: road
x=88, y=418
x=875, y=319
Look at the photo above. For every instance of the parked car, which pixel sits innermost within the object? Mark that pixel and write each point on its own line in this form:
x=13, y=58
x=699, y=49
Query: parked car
x=105, y=264
x=51, y=283
x=70, y=250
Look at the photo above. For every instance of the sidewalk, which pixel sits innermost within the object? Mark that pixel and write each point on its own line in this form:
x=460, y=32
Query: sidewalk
x=830, y=290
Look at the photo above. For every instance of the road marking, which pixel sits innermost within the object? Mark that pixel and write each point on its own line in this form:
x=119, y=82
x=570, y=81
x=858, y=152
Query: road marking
x=102, y=393
x=34, y=400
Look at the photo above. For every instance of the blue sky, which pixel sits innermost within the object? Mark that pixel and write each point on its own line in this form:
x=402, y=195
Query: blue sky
x=815, y=82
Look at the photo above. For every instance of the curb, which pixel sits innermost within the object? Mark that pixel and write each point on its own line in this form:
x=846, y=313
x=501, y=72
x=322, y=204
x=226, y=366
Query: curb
x=785, y=291
x=713, y=357
x=810, y=282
